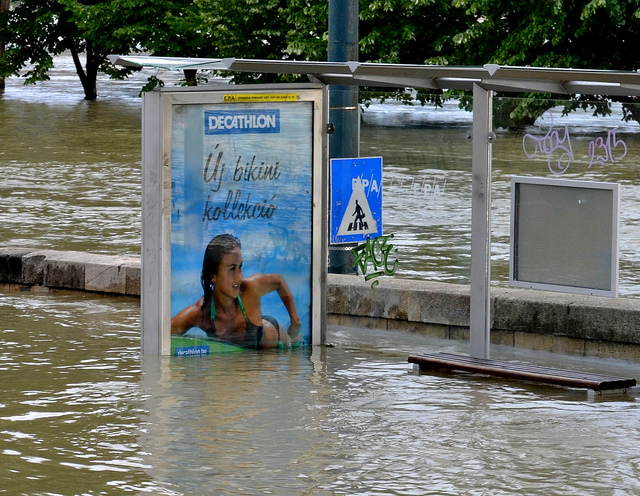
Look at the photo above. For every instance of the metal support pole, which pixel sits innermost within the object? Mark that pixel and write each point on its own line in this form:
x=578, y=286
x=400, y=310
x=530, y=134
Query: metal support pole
x=344, y=112
x=156, y=244
x=483, y=137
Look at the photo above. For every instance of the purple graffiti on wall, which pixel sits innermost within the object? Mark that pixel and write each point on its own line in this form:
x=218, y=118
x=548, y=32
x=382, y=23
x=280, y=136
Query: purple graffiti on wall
x=556, y=146
x=610, y=150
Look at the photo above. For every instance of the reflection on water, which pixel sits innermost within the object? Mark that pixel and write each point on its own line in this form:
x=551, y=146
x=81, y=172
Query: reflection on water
x=72, y=175
x=82, y=413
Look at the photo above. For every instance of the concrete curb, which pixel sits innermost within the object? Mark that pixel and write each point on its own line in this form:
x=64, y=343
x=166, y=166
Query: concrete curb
x=70, y=270
x=523, y=318
x=548, y=321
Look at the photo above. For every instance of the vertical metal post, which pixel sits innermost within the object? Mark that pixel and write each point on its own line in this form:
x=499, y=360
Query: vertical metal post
x=480, y=318
x=344, y=112
x=156, y=247
x=343, y=100
x=151, y=282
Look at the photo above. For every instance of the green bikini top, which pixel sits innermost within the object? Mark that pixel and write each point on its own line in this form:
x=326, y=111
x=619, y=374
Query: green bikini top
x=213, y=309
x=253, y=334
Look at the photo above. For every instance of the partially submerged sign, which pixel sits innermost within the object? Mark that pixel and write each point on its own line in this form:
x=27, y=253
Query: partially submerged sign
x=240, y=166
x=356, y=199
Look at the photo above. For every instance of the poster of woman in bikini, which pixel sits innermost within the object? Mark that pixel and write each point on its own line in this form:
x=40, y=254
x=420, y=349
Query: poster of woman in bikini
x=245, y=167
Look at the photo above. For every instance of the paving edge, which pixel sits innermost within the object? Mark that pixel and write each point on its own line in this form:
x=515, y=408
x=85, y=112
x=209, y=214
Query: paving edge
x=559, y=322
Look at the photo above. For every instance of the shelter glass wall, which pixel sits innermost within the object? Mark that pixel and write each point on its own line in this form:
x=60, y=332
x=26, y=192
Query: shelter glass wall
x=426, y=154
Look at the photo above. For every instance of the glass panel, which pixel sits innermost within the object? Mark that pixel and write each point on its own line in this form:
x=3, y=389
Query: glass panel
x=426, y=154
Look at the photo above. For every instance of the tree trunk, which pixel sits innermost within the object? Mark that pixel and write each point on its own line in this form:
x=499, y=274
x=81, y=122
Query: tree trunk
x=88, y=77
x=634, y=110
x=4, y=7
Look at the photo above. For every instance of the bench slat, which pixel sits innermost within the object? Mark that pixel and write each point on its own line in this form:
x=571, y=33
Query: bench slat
x=521, y=371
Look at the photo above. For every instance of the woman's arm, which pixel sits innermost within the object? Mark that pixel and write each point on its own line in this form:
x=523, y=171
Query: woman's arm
x=187, y=318
x=262, y=284
x=287, y=299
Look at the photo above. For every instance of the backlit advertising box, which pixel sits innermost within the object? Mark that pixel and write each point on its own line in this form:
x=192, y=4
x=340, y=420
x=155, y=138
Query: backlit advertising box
x=234, y=218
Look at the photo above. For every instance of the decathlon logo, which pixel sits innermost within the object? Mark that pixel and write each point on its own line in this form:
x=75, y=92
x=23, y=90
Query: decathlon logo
x=241, y=121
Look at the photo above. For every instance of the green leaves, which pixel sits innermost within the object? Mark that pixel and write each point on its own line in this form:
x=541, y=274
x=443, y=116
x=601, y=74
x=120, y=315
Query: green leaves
x=560, y=33
x=595, y=34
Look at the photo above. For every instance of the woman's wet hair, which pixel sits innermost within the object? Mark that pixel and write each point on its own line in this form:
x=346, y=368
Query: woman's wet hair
x=216, y=249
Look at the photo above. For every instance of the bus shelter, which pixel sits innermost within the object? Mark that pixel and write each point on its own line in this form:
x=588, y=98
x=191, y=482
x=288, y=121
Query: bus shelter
x=483, y=82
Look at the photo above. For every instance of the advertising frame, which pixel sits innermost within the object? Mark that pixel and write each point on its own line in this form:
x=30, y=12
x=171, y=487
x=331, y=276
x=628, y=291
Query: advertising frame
x=565, y=235
x=297, y=191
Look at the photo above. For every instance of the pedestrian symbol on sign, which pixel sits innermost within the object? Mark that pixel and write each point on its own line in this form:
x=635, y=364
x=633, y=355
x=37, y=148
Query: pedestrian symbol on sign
x=360, y=216
x=356, y=199
x=357, y=217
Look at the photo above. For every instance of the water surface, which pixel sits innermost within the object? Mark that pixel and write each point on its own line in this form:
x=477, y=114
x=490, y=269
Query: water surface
x=72, y=174
x=83, y=413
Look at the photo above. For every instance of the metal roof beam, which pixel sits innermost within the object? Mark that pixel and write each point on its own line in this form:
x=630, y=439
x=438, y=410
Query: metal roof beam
x=287, y=66
x=510, y=79
x=562, y=74
x=524, y=85
x=399, y=81
x=630, y=89
x=168, y=63
x=369, y=70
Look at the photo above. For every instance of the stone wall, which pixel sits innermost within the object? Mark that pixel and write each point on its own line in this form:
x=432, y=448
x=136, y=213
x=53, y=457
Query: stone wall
x=39, y=269
x=542, y=320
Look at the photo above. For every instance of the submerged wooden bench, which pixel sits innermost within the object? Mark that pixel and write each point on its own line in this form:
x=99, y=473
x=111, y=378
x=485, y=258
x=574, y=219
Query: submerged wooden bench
x=521, y=371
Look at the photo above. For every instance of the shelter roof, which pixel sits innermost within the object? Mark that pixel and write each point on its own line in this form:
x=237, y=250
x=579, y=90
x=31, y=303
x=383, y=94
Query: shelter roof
x=494, y=77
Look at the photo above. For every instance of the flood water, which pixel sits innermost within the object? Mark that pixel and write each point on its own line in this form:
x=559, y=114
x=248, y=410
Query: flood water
x=82, y=413
x=71, y=175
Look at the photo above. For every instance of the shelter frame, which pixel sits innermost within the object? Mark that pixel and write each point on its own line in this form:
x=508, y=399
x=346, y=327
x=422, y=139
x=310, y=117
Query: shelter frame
x=483, y=81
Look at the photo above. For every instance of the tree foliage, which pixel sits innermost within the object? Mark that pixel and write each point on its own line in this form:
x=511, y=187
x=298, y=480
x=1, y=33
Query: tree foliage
x=551, y=33
x=580, y=34
x=406, y=32
x=254, y=29
x=595, y=34
x=390, y=31
x=35, y=31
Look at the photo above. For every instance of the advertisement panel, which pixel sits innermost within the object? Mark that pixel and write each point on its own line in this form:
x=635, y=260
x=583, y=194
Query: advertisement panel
x=245, y=205
x=565, y=235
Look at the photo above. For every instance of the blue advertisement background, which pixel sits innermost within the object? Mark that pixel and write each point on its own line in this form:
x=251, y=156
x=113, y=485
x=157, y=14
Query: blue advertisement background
x=272, y=215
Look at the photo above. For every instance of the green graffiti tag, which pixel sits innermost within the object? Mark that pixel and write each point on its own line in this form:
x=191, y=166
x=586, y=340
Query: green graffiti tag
x=377, y=252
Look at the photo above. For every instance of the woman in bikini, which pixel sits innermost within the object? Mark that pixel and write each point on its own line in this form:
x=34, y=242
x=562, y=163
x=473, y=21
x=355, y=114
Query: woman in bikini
x=230, y=308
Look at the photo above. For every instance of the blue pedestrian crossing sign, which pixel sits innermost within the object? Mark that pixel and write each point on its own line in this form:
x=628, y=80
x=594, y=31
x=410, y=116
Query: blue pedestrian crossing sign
x=356, y=199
